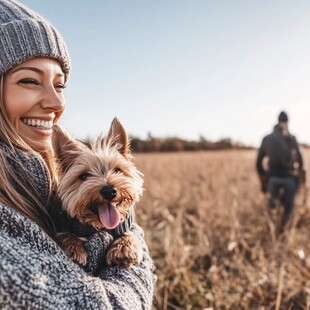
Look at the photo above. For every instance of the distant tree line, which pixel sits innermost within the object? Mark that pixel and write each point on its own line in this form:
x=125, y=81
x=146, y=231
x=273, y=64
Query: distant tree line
x=174, y=144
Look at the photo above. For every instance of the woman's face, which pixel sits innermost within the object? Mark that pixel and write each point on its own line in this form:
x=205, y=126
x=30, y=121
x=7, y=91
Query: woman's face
x=33, y=100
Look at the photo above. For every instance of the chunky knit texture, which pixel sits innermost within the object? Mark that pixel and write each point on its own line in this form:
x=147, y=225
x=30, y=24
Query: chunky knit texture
x=25, y=35
x=36, y=274
x=30, y=169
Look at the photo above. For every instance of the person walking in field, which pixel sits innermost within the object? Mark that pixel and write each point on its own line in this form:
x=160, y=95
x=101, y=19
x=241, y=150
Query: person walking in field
x=284, y=166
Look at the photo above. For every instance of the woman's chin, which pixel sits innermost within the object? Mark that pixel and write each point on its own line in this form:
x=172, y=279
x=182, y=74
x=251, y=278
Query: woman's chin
x=38, y=139
x=42, y=145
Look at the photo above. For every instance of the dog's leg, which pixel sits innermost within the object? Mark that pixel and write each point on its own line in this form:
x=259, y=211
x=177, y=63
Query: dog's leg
x=124, y=251
x=73, y=247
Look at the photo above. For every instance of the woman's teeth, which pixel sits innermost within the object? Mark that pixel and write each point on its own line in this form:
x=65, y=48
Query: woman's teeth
x=38, y=123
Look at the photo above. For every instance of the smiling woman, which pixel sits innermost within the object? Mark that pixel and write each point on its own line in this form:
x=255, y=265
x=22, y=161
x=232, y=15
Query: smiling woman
x=34, y=101
x=34, y=271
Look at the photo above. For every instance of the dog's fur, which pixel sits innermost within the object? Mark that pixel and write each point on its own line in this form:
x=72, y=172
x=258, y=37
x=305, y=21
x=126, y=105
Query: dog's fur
x=87, y=171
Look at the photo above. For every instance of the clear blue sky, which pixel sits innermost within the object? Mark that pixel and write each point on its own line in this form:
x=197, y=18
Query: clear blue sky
x=185, y=68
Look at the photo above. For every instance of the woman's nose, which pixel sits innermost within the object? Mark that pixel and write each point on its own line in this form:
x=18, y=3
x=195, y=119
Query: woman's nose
x=53, y=100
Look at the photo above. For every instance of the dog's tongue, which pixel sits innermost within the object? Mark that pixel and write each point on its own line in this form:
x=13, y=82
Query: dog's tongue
x=108, y=215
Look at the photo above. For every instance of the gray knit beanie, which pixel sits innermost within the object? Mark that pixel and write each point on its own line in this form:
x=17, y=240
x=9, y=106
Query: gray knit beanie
x=25, y=35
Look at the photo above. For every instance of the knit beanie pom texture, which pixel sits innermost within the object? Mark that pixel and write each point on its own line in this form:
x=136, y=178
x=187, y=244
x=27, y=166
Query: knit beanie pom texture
x=26, y=35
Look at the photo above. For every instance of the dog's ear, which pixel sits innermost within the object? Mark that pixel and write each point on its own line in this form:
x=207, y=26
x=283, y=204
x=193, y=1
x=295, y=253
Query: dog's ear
x=117, y=136
x=66, y=148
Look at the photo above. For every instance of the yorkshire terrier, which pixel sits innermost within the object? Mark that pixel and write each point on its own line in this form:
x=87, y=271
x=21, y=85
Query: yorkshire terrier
x=98, y=186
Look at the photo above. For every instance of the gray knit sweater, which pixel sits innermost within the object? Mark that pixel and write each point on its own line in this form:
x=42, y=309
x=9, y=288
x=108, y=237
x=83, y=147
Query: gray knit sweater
x=36, y=274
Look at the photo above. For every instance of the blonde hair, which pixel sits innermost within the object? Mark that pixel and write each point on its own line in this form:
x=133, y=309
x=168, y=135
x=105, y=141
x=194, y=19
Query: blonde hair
x=29, y=204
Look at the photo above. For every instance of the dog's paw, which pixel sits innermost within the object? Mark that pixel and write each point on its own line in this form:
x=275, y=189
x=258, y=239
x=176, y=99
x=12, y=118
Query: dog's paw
x=79, y=256
x=124, y=251
x=73, y=247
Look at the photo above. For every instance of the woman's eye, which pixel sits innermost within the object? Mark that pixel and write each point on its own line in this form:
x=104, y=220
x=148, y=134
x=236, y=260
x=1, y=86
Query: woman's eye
x=117, y=170
x=60, y=87
x=28, y=81
x=84, y=176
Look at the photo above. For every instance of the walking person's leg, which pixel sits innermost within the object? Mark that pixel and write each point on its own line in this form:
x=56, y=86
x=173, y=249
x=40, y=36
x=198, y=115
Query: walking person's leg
x=289, y=195
x=273, y=189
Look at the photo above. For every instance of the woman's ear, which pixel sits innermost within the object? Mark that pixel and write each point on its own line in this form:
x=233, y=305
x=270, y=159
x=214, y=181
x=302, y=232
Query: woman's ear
x=117, y=137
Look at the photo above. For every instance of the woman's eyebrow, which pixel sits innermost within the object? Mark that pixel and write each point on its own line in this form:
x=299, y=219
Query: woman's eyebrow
x=35, y=70
x=27, y=68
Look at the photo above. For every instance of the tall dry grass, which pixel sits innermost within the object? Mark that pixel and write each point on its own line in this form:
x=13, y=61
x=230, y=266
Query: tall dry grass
x=205, y=223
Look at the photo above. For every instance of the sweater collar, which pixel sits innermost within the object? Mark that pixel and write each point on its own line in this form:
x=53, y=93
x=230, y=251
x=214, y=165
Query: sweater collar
x=30, y=169
x=86, y=230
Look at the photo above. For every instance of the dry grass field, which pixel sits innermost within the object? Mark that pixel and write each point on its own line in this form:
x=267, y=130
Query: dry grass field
x=205, y=223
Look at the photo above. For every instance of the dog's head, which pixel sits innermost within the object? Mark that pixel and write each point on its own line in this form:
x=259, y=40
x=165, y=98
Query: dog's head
x=99, y=182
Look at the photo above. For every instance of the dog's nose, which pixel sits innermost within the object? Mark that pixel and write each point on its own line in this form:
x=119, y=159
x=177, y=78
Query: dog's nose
x=108, y=192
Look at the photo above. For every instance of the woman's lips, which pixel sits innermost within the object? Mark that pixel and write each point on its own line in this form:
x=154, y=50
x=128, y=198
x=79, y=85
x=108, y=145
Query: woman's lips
x=39, y=126
x=38, y=123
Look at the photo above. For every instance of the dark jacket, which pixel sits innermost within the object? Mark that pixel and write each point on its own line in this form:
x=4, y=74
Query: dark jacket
x=284, y=157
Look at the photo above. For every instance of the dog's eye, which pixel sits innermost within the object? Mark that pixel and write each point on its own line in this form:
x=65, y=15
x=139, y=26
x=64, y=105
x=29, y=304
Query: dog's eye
x=117, y=170
x=84, y=176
